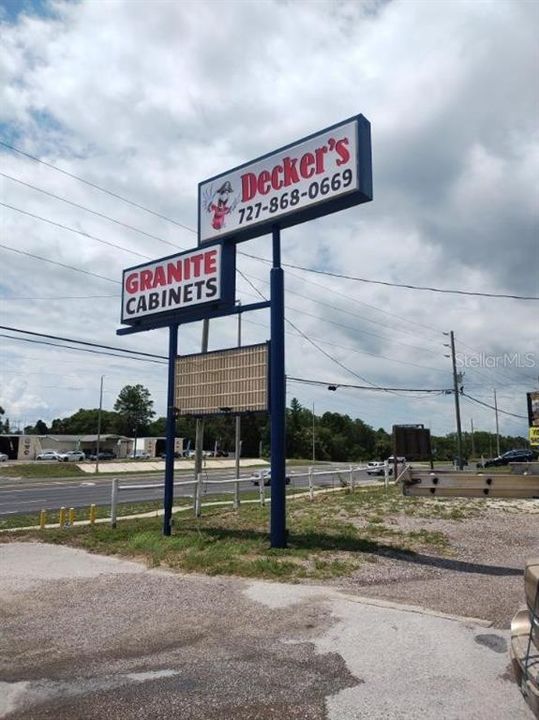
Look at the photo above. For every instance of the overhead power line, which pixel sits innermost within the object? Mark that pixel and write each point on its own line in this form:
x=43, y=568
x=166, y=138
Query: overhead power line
x=492, y=407
x=385, y=283
x=81, y=349
x=82, y=342
x=335, y=385
x=95, y=186
x=74, y=230
x=407, y=286
x=89, y=210
x=55, y=262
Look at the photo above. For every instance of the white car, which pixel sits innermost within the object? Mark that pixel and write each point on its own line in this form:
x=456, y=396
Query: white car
x=49, y=455
x=72, y=456
x=3, y=457
x=375, y=467
x=140, y=455
x=265, y=475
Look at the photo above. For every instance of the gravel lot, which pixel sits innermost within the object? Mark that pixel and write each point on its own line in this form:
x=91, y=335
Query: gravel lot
x=482, y=576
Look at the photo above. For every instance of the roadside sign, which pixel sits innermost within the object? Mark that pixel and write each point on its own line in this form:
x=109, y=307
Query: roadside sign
x=223, y=382
x=534, y=436
x=181, y=286
x=315, y=176
x=533, y=408
x=411, y=442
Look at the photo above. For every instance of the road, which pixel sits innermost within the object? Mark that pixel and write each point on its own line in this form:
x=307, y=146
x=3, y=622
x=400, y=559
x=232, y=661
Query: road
x=33, y=495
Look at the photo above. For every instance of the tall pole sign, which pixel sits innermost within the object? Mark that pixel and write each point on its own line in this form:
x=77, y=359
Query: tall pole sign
x=317, y=175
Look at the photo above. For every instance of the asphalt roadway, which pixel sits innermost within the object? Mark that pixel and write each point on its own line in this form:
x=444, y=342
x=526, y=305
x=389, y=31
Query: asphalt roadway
x=87, y=637
x=20, y=495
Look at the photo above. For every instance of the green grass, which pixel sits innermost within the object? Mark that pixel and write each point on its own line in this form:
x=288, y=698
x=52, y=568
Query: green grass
x=329, y=537
x=42, y=470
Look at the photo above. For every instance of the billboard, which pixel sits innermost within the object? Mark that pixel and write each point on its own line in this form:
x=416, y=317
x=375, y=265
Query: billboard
x=223, y=382
x=534, y=436
x=533, y=408
x=412, y=442
x=323, y=173
x=179, y=284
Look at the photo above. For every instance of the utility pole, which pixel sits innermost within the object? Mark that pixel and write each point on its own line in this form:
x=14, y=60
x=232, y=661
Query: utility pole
x=99, y=424
x=237, y=445
x=457, y=404
x=473, y=439
x=497, y=425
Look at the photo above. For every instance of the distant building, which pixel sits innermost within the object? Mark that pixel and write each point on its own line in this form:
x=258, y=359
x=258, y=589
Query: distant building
x=28, y=447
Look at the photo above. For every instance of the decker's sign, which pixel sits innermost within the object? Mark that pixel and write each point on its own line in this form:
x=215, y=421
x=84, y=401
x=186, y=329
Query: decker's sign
x=177, y=284
x=321, y=174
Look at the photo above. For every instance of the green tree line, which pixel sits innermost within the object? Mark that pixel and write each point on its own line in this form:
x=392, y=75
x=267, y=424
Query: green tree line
x=337, y=437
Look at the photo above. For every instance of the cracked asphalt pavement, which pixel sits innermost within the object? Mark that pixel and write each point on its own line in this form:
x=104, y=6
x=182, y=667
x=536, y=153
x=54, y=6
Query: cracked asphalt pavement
x=90, y=637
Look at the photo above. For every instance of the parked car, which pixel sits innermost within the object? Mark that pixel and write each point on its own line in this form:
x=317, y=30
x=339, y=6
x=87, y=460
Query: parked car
x=3, y=457
x=103, y=455
x=140, y=455
x=72, y=456
x=265, y=475
x=49, y=455
x=509, y=457
x=177, y=455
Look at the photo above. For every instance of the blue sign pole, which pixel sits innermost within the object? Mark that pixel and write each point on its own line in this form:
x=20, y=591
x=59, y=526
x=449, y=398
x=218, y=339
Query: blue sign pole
x=277, y=399
x=171, y=431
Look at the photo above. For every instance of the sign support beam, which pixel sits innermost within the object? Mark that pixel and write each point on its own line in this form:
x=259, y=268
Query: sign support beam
x=171, y=431
x=277, y=398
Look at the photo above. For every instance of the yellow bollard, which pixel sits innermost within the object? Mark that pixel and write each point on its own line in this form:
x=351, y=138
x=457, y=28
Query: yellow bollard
x=92, y=514
x=62, y=517
x=71, y=516
x=42, y=519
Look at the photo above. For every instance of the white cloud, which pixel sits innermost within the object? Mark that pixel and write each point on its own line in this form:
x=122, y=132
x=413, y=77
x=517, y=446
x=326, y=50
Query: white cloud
x=149, y=100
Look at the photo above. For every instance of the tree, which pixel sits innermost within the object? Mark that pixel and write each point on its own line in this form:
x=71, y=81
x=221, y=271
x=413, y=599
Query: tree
x=135, y=407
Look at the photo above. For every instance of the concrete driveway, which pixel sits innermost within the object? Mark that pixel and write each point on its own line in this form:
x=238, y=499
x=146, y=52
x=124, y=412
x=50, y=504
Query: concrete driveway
x=90, y=637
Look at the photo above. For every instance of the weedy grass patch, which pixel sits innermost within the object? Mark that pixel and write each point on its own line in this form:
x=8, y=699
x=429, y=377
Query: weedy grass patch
x=326, y=539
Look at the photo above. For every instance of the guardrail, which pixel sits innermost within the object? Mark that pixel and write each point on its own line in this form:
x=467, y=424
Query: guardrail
x=345, y=477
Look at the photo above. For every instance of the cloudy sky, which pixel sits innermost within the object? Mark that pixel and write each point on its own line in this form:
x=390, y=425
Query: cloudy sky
x=146, y=99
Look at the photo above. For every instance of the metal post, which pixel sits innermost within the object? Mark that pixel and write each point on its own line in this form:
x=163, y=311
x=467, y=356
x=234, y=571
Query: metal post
x=311, y=489
x=277, y=403
x=237, y=443
x=198, y=496
x=497, y=424
x=171, y=431
x=314, y=440
x=261, y=491
x=386, y=474
x=42, y=519
x=199, y=438
x=113, y=502
x=457, y=405
x=99, y=424
x=473, y=440
x=351, y=479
